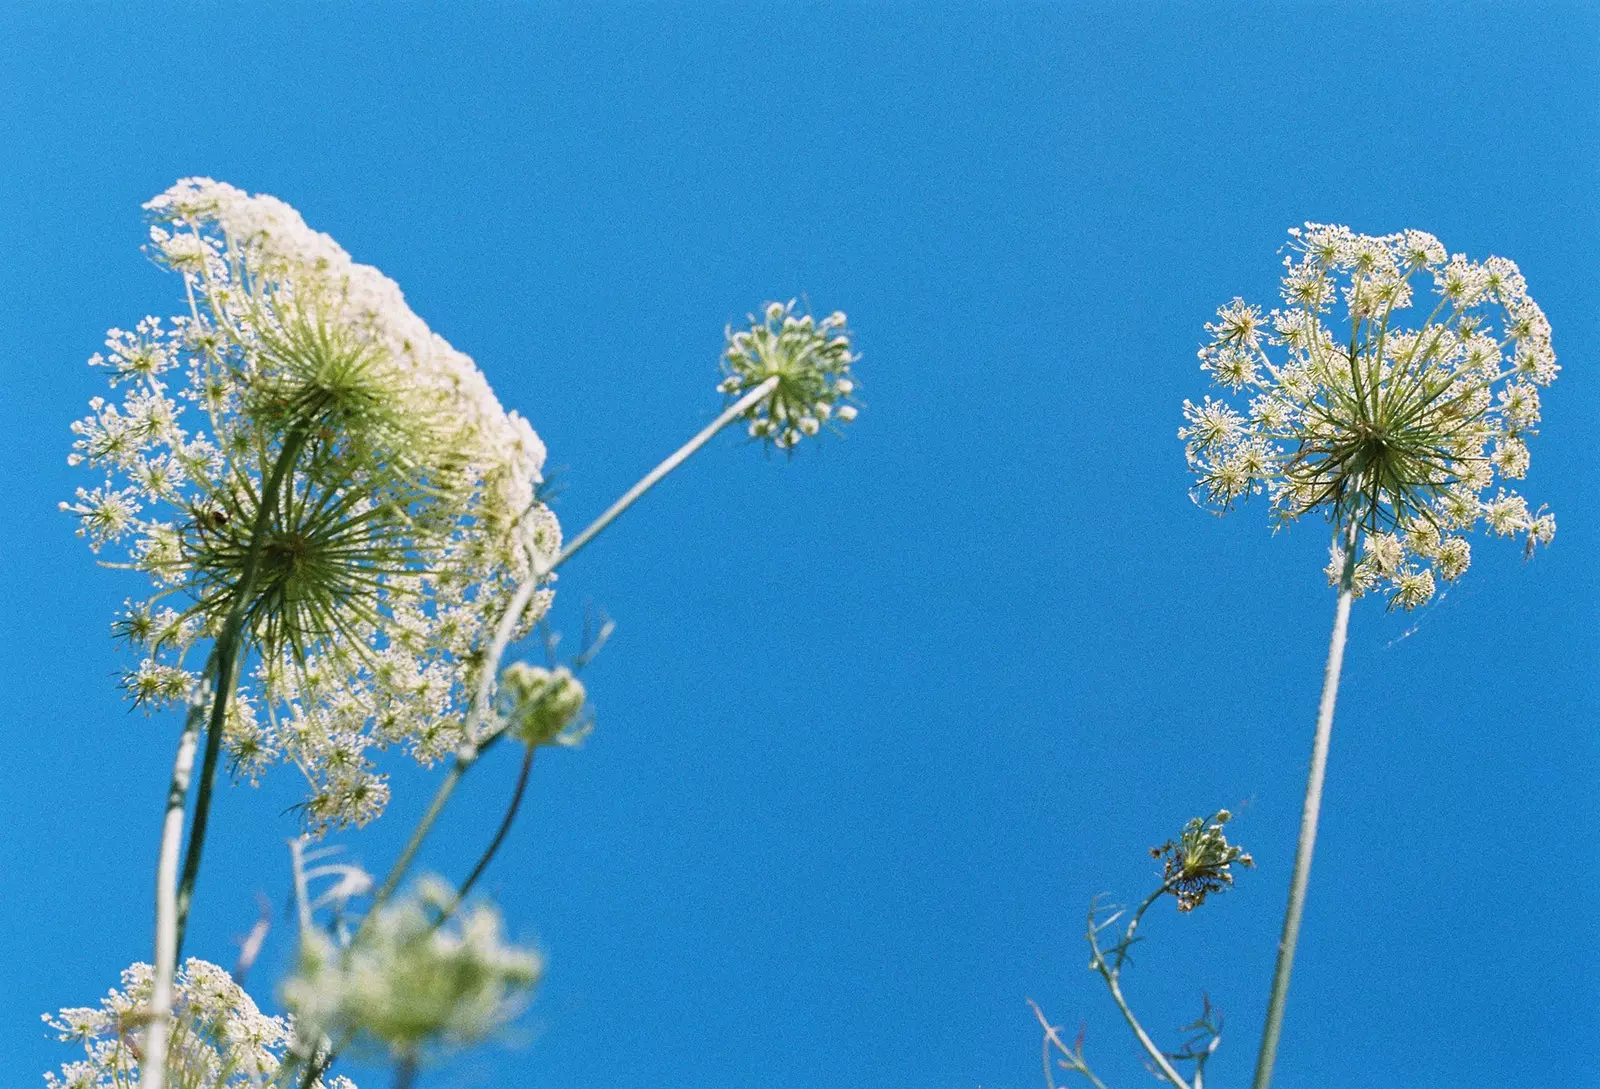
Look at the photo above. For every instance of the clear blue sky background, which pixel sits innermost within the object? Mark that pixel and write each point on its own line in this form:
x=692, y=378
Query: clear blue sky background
x=878, y=723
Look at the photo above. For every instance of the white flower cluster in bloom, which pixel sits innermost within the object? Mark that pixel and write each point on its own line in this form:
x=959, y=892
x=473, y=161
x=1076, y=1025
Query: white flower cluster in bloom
x=408, y=983
x=301, y=446
x=1401, y=433
x=811, y=360
x=219, y=1037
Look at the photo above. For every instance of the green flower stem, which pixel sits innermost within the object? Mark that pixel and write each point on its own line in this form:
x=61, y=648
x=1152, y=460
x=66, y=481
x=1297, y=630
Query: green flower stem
x=499, y=836
x=173, y=895
x=474, y=746
x=1112, y=972
x=229, y=653
x=1308, y=819
x=156, y=1039
x=530, y=585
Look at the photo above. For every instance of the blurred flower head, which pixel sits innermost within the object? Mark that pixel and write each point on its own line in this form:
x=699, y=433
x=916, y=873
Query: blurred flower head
x=1398, y=435
x=301, y=425
x=543, y=705
x=810, y=360
x=406, y=983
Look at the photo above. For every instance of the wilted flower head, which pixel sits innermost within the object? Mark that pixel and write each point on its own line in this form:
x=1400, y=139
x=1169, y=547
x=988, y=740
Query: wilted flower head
x=407, y=983
x=1200, y=861
x=811, y=361
x=543, y=705
x=302, y=425
x=1395, y=434
x=219, y=1037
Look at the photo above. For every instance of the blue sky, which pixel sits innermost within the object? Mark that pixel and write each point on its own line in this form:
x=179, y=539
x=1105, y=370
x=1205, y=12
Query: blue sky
x=877, y=723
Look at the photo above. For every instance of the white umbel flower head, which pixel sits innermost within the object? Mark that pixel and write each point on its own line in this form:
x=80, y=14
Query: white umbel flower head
x=407, y=984
x=301, y=432
x=1397, y=432
x=220, y=1038
x=810, y=359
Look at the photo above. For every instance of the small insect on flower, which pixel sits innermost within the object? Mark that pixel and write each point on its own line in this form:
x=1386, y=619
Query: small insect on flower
x=811, y=362
x=1393, y=434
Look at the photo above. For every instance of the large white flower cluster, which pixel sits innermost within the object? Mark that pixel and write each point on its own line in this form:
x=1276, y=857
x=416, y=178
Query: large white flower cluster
x=301, y=446
x=1400, y=433
x=220, y=1038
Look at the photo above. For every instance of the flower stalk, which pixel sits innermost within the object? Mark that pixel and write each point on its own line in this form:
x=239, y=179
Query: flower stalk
x=174, y=895
x=474, y=747
x=1301, y=878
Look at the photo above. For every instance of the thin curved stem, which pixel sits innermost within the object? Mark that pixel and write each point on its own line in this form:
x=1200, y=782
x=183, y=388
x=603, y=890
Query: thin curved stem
x=464, y=760
x=499, y=836
x=1112, y=975
x=1168, y=1071
x=524, y=593
x=1308, y=818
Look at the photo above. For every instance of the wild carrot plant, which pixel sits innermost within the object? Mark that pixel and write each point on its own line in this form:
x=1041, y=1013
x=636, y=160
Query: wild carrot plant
x=1396, y=435
x=344, y=532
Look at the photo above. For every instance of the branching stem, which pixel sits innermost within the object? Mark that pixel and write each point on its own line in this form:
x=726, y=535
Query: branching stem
x=474, y=746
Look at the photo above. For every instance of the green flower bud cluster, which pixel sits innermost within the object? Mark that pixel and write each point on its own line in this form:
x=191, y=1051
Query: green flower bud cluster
x=1199, y=862
x=810, y=359
x=544, y=704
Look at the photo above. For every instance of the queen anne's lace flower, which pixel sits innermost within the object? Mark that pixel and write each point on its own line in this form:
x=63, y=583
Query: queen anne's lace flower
x=399, y=499
x=220, y=1039
x=1398, y=433
x=408, y=983
x=811, y=361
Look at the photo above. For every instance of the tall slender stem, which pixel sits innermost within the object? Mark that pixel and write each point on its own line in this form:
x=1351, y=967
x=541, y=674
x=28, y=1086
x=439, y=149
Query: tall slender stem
x=474, y=745
x=1308, y=818
x=228, y=653
x=463, y=761
x=166, y=894
x=173, y=895
x=530, y=585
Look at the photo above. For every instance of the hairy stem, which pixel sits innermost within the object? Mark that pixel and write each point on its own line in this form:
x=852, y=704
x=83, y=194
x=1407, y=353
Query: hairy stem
x=1308, y=819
